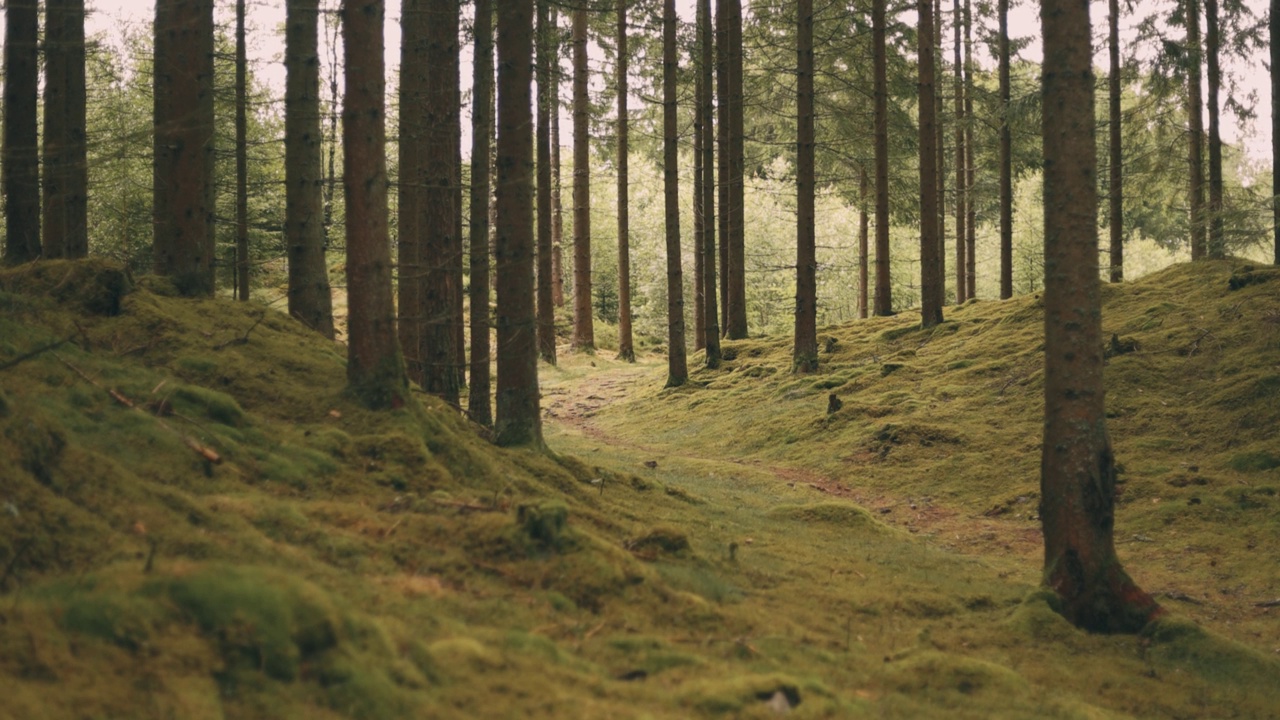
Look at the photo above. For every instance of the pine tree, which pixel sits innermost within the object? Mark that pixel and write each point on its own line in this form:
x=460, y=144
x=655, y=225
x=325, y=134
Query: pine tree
x=805, y=351
x=677, y=367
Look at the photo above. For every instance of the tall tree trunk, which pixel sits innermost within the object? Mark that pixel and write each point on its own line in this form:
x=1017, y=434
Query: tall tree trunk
x=583, y=325
x=626, y=348
x=1195, y=133
x=1077, y=471
x=1273, y=29
x=1006, y=156
x=735, y=208
x=21, y=166
x=962, y=190
x=428, y=121
x=411, y=220
x=677, y=368
x=940, y=147
x=722, y=154
x=971, y=223
x=65, y=165
x=557, y=217
x=546, y=308
x=375, y=370
x=242, y=159
x=930, y=297
x=884, y=289
x=310, y=299
x=519, y=419
x=478, y=403
x=711, y=339
x=1217, y=241
x=700, y=219
x=1116, y=194
x=804, y=357
x=864, y=227
x=183, y=165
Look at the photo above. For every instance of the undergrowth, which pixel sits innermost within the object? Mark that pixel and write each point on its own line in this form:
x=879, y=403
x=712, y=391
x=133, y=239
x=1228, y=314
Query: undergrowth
x=197, y=522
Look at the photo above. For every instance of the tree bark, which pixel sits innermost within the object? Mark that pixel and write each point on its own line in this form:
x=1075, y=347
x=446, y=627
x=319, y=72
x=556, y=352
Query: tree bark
x=1006, y=156
x=706, y=42
x=21, y=166
x=971, y=224
x=478, y=403
x=1116, y=194
x=700, y=219
x=626, y=347
x=65, y=163
x=864, y=227
x=310, y=299
x=1195, y=134
x=519, y=420
x=242, y=159
x=884, y=289
x=940, y=147
x=375, y=370
x=583, y=323
x=930, y=297
x=1217, y=241
x=1273, y=29
x=735, y=208
x=805, y=353
x=183, y=165
x=546, y=308
x=962, y=190
x=1077, y=474
x=557, y=217
x=677, y=368
x=722, y=155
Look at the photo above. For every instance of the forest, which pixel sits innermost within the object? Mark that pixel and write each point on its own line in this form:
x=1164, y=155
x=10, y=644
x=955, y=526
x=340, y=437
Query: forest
x=625, y=358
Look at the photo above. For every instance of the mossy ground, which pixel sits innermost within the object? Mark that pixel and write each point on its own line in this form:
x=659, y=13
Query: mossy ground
x=879, y=561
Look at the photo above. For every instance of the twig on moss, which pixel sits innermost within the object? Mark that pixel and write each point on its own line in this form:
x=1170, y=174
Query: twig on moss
x=35, y=353
x=243, y=339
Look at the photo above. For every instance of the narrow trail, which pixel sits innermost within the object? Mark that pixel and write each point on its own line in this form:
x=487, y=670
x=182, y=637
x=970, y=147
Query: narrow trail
x=576, y=403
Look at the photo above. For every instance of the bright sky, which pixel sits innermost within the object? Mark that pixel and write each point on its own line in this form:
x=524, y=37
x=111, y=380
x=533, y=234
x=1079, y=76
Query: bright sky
x=266, y=16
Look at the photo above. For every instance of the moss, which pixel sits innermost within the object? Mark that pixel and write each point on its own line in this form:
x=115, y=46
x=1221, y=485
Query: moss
x=840, y=514
x=1257, y=461
x=544, y=523
x=216, y=406
x=659, y=541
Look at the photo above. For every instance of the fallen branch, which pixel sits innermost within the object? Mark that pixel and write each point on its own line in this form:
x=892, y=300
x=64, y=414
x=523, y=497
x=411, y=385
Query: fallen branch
x=1268, y=603
x=204, y=451
x=35, y=353
x=243, y=339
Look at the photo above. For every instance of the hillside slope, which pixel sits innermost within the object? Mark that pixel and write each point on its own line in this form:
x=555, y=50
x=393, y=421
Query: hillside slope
x=196, y=523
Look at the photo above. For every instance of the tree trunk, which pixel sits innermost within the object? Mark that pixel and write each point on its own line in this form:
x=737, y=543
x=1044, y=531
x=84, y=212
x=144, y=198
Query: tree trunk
x=310, y=299
x=375, y=370
x=583, y=324
x=546, y=309
x=478, y=404
x=557, y=218
x=1077, y=472
x=626, y=348
x=711, y=339
x=735, y=208
x=939, y=111
x=677, y=369
x=428, y=121
x=930, y=297
x=411, y=221
x=21, y=146
x=722, y=143
x=65, y=164
x=1273, y=26
x=1116, y=194
x=242, y=159
x=805, y=353
x=1006, y=157
x=700, y=219
x=971, y=223
x=519, y=419
x=458, y=255
x=962, y=190
x=1195, y=133
x=1217, y=241
x=884, y=289
x=184, y=199
x=864, y=227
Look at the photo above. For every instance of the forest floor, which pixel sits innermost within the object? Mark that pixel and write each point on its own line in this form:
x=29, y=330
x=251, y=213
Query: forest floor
x=196, y=521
